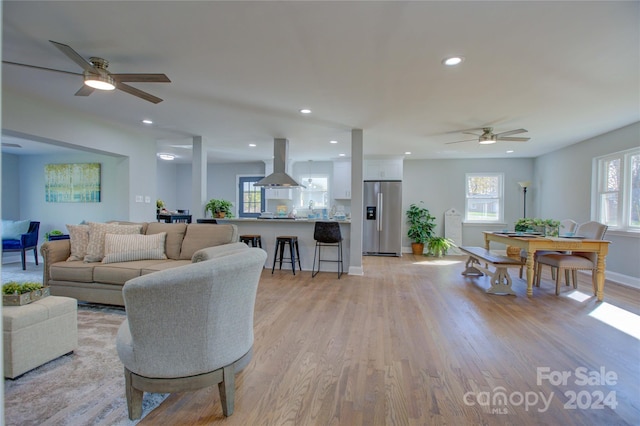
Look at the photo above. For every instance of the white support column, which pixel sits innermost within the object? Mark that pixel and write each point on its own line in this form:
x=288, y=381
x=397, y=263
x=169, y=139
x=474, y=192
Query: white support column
x=357, y=203
x=198, y=178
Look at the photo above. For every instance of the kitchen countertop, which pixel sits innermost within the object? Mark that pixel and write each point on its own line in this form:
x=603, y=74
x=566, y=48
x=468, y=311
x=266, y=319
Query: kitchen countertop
x=283, y=220
x=303, y=228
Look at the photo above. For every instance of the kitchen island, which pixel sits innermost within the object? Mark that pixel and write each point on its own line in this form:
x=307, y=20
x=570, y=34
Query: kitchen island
x=269, y=229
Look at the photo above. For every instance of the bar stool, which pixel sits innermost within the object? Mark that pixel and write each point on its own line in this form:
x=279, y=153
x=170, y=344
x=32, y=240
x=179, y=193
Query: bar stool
x=281, y=241
x=252, y=240
x=327, y=234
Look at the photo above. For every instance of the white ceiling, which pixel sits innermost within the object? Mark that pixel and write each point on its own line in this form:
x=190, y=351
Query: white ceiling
x=565, y=71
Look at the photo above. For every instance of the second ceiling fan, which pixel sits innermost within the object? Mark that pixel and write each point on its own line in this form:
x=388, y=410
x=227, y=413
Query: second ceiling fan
x=488, y=137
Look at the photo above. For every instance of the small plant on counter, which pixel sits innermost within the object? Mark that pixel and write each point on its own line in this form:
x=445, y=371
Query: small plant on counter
x=219, y=208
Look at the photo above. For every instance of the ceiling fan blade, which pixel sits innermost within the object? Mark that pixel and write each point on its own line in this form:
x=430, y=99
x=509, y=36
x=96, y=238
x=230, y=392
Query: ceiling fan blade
x=40, y=68
x=467, y=140
x=85, y=90
x=75, y=57
x=470, y=133
x=141, y=78
x=513, y=139
x=511, y=132
x=139, y=93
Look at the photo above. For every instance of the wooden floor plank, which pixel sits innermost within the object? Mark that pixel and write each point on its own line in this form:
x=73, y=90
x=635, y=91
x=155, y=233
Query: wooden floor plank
x=406, y=343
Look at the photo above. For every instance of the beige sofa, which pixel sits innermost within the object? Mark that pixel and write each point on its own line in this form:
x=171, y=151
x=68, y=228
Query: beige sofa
x=99, y=282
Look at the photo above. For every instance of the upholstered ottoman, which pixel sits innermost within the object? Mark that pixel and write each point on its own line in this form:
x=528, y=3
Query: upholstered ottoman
x=37, y=333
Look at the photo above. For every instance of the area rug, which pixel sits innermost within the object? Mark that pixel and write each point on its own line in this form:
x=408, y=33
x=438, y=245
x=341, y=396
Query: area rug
x=11, y=269
x=82, y=388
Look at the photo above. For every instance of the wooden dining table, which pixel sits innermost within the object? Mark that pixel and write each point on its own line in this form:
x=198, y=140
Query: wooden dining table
x=533, y=243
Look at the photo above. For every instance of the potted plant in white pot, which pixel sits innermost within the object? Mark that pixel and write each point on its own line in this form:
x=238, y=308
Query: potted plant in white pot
x=421, y=226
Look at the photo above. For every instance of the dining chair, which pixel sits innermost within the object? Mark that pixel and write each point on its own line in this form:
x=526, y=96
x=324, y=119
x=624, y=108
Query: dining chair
x=575, y=260
x=567, y=226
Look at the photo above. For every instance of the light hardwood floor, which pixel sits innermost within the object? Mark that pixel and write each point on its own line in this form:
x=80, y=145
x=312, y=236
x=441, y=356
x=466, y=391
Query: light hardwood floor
x=413, y=342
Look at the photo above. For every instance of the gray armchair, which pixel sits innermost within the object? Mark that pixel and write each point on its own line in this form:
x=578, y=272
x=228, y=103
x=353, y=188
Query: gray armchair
x=190, y=327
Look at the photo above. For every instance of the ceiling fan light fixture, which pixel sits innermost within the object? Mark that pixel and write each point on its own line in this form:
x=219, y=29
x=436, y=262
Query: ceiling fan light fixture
x=488, y=140
x=100, y=82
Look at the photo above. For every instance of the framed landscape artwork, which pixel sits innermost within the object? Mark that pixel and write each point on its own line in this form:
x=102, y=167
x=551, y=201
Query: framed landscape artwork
x=72, y=183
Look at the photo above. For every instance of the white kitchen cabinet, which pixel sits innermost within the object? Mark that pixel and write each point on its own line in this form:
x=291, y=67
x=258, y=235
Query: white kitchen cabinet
x=383, y=169
x=342, y=180
x=278, y=194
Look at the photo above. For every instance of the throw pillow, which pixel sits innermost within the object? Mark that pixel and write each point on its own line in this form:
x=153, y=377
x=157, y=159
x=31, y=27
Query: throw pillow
x=13, y=229
x=79, y=240
x=97, y=231
x=125, y=248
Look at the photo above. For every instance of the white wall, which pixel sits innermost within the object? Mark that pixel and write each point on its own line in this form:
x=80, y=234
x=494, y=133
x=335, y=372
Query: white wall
x=39, y=120
x=441, y=185
x=112, y=205
x=167, y=184
x=565, y=179
x=10, y=187
x=221, y=183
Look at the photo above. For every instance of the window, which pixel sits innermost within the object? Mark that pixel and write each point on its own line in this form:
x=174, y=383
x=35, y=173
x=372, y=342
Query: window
x=251, y=197
x=617, y=194
x=484, y=197
x=316, y=193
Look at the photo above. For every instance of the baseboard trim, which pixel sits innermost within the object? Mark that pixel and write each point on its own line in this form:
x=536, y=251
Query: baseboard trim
x=356, y=270
x=617, y=278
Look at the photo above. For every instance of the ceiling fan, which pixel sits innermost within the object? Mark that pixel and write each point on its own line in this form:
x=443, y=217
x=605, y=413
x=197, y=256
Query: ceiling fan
x=488, y=137
x=96, y=75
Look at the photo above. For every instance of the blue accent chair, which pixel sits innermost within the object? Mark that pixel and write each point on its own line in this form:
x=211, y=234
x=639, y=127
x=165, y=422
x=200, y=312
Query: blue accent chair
x=26, y=242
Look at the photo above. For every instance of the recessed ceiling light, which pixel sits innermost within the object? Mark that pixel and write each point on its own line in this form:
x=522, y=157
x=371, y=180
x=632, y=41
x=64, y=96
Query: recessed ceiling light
x=305, y=111
x=333, y=141
x=510, y=151
x=341, y=155
x=252, y=145
x=167, y=157
x=147, y=121
x=453, y=61
x=407, y=153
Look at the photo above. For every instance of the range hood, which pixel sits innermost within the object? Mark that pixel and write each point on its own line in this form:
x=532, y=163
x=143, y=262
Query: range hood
x=279, y=178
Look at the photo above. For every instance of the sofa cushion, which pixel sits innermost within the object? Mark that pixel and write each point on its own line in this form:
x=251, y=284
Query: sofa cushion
x=121, y=272
x=162, y=266
x=97, y=231
x=76, y=271
x=13, y=229
x=79, y=239
x=175, y=236
x=125, y=248
x=202, y=235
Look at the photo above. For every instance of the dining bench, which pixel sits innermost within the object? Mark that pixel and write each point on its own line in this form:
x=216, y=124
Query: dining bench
x=500, y=279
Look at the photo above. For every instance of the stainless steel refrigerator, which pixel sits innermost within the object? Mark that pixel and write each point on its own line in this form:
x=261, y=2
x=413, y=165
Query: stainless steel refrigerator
x=382, y=225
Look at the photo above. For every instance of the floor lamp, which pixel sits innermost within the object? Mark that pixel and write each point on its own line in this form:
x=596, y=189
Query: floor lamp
x=524, y=186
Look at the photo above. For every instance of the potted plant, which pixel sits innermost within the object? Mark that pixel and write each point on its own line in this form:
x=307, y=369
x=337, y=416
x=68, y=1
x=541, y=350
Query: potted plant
x=438, y=246
x=421, y=226
x=159, y=205
x=219, y=208
x=547, y=227
x=52, y=233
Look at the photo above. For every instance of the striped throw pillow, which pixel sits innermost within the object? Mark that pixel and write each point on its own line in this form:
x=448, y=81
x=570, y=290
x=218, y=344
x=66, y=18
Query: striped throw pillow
x=125, y=248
